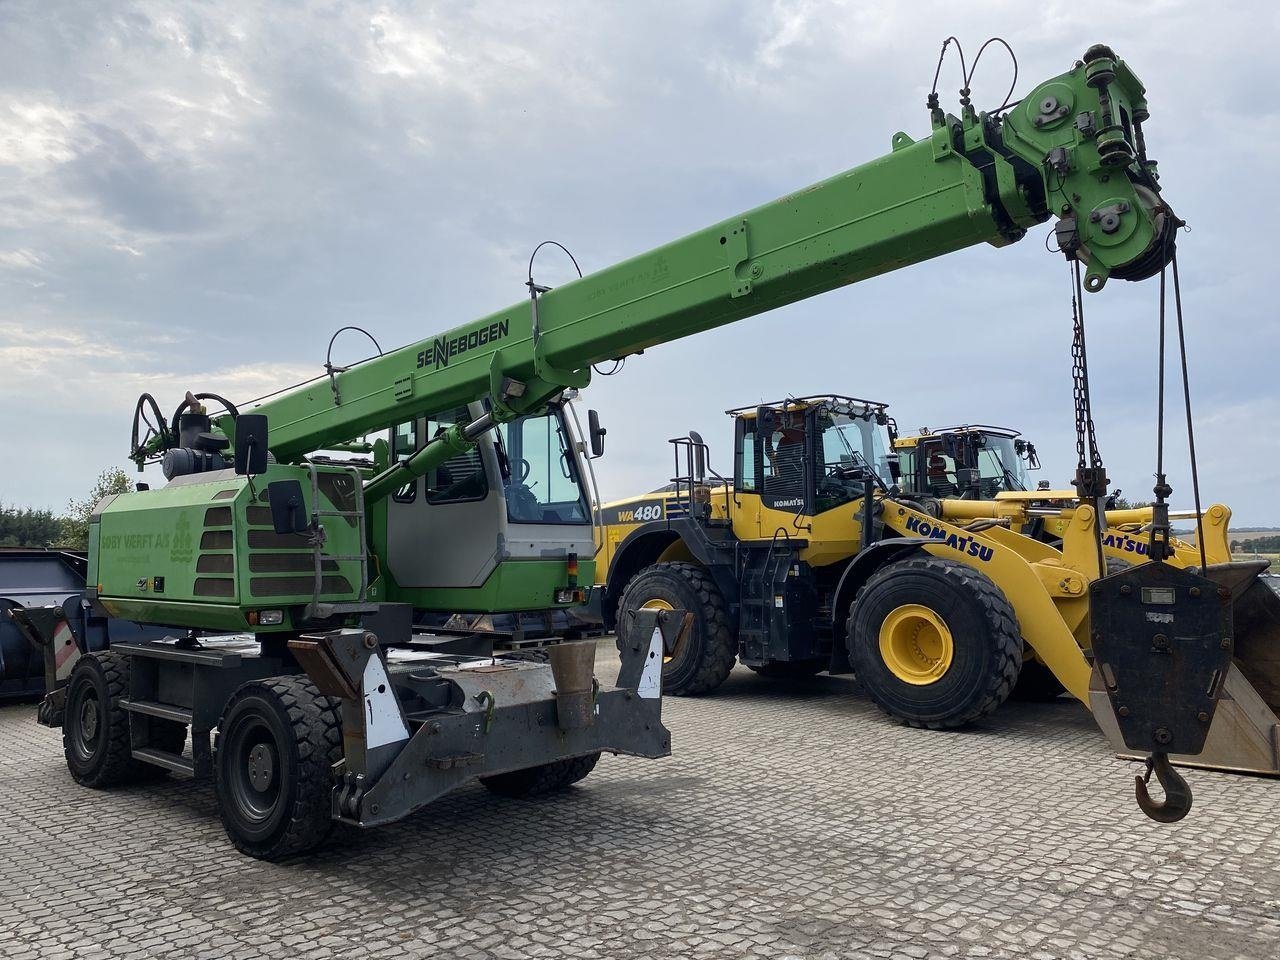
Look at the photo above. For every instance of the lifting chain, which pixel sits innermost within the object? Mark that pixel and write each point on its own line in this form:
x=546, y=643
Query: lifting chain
x=1091, y=475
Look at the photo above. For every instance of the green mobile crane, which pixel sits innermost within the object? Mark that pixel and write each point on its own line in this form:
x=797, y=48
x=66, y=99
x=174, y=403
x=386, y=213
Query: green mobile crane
x=330, y=702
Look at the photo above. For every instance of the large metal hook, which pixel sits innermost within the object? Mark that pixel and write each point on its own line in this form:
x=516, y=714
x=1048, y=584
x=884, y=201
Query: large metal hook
x=1177, y=792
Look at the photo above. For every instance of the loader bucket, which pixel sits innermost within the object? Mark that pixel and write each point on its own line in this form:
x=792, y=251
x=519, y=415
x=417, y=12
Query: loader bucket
x=1245, y=734
x=1256, y=612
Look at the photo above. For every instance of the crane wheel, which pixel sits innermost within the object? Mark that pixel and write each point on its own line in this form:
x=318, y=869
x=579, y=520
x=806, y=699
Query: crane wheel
x=278, y=740
x=95, y=728
x=545, y=778
x=706, y=655
x=934, y=642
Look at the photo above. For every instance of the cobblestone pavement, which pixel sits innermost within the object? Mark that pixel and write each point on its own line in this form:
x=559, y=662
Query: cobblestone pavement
x=793, y=821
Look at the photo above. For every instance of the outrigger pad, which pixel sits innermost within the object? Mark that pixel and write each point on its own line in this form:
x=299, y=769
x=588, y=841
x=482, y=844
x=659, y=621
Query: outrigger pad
x=1162, y=641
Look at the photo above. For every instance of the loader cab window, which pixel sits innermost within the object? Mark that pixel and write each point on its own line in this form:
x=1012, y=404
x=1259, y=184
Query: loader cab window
x=783, y=463
x=852, y=448
x=1000, y=467
x=927, y=471
x=744, y=463
x=542, y=482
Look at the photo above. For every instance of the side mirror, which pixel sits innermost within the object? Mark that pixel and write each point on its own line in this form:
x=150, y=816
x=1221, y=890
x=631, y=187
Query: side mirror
x=597, y=433
x=251, y=444
x=766, y=421
x=288, y=508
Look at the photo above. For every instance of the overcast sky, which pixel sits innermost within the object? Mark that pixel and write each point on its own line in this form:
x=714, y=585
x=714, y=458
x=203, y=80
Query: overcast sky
x=195, y=195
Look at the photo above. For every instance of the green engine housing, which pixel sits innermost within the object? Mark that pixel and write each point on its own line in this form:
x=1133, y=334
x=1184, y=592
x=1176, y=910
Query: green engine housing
x=202, y=551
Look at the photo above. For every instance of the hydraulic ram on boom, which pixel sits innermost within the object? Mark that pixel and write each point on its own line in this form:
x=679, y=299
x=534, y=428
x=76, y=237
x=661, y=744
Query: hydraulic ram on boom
x=324, y=570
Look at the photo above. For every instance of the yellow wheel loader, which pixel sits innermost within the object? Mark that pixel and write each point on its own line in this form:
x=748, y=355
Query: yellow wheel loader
x=811, y=557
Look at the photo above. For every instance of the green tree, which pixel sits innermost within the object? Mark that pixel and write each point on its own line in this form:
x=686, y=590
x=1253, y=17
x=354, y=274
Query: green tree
x=28, y=527
x=75, y=526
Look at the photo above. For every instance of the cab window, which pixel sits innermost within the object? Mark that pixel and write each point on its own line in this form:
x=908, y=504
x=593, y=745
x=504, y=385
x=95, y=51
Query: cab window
x=782, y=467
x=744, y=467
x=461, y=477
x=404, y=442
x=542, y=484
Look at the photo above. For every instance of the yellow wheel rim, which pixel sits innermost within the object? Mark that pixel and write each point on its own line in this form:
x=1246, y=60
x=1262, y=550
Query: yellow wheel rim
x=915, y=644
x=659, y=604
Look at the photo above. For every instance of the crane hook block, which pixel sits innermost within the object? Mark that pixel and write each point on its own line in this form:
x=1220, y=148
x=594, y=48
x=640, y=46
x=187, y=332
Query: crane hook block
x=1177, y=792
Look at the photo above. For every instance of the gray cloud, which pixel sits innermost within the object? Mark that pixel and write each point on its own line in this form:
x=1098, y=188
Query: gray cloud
x=196, y=195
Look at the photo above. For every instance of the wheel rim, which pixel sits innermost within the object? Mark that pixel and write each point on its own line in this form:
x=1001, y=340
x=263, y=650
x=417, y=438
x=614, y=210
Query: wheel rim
x=253, y=768
x=85, y=733
x=657, y=603
x=916, y=645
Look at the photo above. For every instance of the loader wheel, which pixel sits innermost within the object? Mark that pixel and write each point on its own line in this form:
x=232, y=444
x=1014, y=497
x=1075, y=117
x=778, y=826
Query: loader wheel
x=790, y=669
x=935, y=643
x=545, y=778
x=703, y=659
x=95, y=729
x=277, y=743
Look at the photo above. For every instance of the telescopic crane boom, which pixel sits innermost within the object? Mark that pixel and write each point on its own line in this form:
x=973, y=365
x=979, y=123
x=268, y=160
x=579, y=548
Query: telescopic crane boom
x=1073, y=149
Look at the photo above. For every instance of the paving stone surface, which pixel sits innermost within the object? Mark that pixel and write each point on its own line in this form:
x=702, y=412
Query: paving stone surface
x=793, y=821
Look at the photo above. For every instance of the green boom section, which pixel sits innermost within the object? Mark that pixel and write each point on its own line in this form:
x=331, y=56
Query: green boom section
x=1067, y=149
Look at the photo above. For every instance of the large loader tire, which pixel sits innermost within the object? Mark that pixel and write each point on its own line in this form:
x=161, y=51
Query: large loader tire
x=934, y=642
x=707, y=653
x=278, y=740
x=545, y=778
x=95, y=728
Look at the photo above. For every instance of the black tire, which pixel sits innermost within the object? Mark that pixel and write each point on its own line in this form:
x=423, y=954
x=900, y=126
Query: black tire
x=790, y=669
x=706, y=656
x=985, y=638
x=95, y=728
x=278, y=740
x=545, y=778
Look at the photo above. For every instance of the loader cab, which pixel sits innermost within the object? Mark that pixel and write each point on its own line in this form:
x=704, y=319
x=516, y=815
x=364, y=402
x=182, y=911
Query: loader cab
x=967, y=462
x=798, y=461
x=497, y=528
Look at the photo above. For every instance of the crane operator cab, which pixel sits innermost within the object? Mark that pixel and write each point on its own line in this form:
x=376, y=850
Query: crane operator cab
x=517, y=499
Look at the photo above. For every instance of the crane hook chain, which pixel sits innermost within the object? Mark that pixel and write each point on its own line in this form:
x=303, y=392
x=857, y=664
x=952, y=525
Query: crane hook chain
x=1177, y=792
x=1088, y=457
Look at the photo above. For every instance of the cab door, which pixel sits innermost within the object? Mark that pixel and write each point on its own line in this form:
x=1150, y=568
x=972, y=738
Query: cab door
x=443, y=529
x=773, y=476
